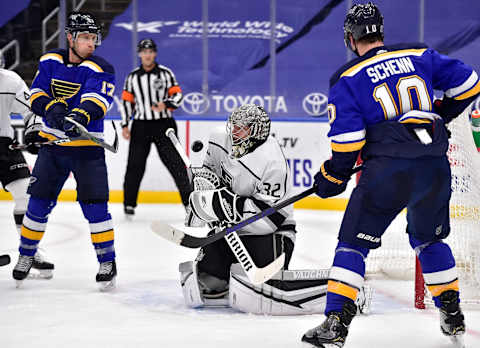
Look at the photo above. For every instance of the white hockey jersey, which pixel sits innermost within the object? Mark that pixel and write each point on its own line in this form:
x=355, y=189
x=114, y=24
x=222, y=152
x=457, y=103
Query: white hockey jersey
x=261, y=175
x=14, y=99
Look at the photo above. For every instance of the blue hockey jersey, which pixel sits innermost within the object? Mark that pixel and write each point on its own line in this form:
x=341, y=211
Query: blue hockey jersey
x=88, y=86
x=386, y=84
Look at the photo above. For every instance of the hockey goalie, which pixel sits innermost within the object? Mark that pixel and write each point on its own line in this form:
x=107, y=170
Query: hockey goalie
x=245, y=172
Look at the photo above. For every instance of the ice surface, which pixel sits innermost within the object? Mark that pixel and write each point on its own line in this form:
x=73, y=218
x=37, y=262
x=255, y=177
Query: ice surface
x=147, y=310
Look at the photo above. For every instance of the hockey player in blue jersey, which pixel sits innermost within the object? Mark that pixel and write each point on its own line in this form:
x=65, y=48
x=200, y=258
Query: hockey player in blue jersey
x=381, y=105
x=78, y=85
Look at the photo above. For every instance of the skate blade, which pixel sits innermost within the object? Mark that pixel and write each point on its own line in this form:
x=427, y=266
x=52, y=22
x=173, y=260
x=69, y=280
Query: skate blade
x=40, y=274
x=18, y=283
x=107, y=286
x=458, y=341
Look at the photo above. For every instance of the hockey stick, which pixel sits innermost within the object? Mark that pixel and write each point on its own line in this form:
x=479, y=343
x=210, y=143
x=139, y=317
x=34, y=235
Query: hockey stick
x=4, y=260
x=255, y=275
x=85, y=133
x=179, y=237
x=22, y=147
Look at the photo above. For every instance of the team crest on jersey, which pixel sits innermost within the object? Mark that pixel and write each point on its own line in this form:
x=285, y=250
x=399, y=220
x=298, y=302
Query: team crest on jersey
x=64, y=89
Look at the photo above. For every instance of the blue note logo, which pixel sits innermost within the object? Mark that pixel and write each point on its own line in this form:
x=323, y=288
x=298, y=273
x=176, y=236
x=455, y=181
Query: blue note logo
x=315, y=104
x=195, y=103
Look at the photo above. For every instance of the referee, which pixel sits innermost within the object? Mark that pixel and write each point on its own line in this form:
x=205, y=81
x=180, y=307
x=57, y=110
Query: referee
x=150, y=94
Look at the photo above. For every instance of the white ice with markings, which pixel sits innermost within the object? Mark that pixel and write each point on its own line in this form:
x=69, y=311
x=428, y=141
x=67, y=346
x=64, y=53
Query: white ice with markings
x=147, y=310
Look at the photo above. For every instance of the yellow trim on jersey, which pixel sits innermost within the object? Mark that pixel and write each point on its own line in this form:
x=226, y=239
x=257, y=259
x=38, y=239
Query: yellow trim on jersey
x=436, y=290
x=54, y=56
x=92, y=65
x=71, y=143
x=347, y=147
x=96, y=101
x=415, y=120
x=342, y=289
x=32, y=235
x=469, y=93
x=102, y=237
x=37, y=95
x=380, y=57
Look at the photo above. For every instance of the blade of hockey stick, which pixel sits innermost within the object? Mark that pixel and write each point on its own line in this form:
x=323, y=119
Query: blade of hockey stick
x=255, y=275
x=84, y=132
x=4, y=260
x=179, y=237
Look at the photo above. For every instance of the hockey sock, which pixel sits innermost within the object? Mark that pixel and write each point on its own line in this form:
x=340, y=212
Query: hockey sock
x=438, y=267
x=346, y=276
x=34, y=224
x=101, y=229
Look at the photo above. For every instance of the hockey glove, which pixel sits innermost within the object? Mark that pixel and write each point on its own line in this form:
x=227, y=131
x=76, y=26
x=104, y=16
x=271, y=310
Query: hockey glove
x=55, y=112
x=78, y=115
x=329, y=183
x=32, y=136
x=217, y=205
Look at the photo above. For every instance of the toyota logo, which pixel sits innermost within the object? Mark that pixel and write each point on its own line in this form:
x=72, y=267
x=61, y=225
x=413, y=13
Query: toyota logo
x=195, y=103
x=315, y=104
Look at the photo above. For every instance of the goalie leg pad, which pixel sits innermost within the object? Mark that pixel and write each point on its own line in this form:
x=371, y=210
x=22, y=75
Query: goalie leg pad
x=278, y=296
x=201, y=290
x=189, y=282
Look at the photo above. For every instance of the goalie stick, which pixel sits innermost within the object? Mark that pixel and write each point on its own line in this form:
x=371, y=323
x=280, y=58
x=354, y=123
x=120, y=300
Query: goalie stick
x=85, y=133
x=179, y=237
x=255, y=275
x=4, y=260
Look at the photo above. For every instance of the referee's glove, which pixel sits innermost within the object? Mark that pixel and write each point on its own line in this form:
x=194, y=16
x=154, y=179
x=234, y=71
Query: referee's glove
x=78, y=115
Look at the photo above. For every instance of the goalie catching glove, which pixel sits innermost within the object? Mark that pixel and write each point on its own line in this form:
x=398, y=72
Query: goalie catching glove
x=217, y=205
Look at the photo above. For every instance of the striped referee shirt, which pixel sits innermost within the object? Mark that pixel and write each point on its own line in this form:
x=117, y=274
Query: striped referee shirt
x=143, y=89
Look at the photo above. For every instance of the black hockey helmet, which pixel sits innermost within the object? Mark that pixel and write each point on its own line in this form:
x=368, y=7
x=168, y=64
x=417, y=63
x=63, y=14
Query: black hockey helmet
x=82, y=22
x=362, y=20
x=146, y=44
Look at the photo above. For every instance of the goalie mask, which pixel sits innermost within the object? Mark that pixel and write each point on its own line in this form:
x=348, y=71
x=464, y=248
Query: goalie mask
x=81, y=22
x=248, y=127
x=362, y=20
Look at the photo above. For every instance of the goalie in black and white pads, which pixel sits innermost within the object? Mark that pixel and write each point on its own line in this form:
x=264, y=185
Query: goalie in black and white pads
x=245, y=172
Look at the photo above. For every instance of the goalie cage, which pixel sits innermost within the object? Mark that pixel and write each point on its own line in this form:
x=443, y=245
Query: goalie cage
x=396, y=260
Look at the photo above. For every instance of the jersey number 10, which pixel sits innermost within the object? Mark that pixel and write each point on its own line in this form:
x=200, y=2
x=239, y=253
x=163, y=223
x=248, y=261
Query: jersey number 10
x=405, y=87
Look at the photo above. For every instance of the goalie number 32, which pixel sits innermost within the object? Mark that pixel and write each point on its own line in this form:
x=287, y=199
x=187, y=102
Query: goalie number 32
x=272, y=191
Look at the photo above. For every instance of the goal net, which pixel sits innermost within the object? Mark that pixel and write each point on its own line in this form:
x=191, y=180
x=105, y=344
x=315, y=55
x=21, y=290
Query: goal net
x=395, y=259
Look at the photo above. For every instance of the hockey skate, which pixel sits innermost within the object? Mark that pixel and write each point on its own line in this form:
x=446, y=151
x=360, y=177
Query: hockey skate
x=42, y=269
x=106, y=275
x=129, y=211
x=334, y=330
x=22, y=268
x=452, y=321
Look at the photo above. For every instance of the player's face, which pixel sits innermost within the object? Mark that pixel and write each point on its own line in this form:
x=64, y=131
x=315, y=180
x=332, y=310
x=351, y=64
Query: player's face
x=240, y=132
x=147, y=56
x=85, y=44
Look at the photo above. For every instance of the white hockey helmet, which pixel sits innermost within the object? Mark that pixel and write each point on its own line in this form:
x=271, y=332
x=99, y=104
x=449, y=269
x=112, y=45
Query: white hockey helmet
x=248, y=127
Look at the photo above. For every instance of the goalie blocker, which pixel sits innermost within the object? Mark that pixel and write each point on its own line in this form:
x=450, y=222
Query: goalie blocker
x=290, y=292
